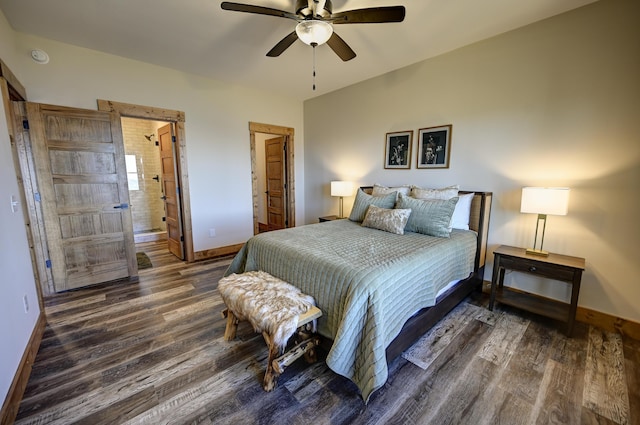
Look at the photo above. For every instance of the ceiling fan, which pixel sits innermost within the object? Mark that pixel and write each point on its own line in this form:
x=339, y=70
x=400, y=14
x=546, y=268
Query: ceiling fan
x=315, y=23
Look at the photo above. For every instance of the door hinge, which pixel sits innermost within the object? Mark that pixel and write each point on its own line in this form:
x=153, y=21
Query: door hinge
x=36, y=196
x=178, y=190
x=25, y=124
x=173, y=139
x=181, y=238
x=48, y=264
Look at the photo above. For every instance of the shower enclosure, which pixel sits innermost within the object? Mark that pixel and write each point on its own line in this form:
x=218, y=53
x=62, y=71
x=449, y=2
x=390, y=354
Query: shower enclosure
x=142, y=157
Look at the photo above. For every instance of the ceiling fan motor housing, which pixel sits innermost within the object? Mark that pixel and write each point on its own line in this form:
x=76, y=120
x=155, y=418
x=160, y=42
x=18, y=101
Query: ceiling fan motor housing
x=305, y=9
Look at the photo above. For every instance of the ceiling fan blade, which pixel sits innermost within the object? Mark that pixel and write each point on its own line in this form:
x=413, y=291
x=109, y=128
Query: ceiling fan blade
x=372, y=15
x=282, y=45
x=239, y=7
x=340, y=47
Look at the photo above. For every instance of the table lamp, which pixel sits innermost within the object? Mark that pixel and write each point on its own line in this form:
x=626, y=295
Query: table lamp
x=543, y=201
x=341, y=189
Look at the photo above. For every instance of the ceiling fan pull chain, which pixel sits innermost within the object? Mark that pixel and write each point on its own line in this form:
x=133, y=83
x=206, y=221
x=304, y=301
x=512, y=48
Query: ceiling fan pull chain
x=314, y=65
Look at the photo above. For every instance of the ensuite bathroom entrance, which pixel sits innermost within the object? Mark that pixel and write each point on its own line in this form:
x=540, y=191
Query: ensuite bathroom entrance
x=151, y=175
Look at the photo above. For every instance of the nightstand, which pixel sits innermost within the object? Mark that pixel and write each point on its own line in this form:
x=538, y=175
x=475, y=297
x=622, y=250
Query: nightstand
x=328, y=218
x=556, y=266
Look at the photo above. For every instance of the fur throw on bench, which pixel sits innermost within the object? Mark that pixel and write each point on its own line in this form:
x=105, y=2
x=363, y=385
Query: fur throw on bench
x=270, y=304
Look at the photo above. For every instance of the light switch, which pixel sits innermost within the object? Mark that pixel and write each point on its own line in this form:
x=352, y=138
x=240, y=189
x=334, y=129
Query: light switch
x=14, y=204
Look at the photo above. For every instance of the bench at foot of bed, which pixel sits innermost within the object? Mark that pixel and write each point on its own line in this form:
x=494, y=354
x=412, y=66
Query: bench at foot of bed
x=276, y=309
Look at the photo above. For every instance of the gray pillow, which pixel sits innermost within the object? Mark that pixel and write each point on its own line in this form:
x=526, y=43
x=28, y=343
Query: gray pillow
x=392, y=221
x=362, y=202
x=428, y=216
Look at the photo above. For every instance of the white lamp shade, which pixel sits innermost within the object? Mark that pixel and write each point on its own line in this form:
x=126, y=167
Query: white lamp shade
x=314, y=32
x=340, y=188
x=545, y=200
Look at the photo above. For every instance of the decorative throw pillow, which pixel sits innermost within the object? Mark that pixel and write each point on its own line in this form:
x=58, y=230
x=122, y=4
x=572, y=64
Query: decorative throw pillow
x=362, y=202
x=444, y=193
x=392, y=221
x=429, y=216
x=379, y=190
x=460, y=217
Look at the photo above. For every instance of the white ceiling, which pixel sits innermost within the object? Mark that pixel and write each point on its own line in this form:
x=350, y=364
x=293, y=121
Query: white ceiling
x=197, y=36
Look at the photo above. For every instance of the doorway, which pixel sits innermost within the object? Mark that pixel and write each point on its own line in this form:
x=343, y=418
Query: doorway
x=263, y=202
x=144, y=173
x=179, y=163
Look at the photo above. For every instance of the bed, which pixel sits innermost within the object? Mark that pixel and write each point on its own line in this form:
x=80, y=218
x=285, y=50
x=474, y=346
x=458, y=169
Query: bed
x=379, y=291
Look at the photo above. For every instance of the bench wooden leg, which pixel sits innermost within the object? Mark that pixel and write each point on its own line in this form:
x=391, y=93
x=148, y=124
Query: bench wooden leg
x=305, y=347
x=305, y=333
x=232, y=325
x=270, y=375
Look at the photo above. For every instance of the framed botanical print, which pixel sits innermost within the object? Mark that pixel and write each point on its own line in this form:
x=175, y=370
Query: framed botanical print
x=397, y=153
x=434, y=147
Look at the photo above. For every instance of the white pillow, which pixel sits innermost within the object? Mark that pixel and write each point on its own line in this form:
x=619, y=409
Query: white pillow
x=426, y=193
x=460, y=217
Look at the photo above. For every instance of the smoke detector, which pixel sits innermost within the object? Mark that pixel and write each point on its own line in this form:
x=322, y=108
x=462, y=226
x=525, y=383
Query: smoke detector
x=39, y=56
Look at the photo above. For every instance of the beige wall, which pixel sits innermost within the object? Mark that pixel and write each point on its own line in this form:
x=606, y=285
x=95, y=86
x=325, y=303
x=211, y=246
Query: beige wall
x=555, y=103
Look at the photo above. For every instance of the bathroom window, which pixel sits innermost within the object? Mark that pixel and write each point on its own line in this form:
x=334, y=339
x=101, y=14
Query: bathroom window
x=132, y=172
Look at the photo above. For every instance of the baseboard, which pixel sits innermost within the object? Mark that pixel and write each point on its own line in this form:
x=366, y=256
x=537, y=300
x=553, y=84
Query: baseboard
x=150, y=237
x=217, y=252
x=596, y=318
x=16, y=391
x=608, y=322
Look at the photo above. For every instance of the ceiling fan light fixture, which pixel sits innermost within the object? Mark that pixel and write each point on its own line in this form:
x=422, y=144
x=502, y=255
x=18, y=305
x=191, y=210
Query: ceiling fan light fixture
x=314, y=32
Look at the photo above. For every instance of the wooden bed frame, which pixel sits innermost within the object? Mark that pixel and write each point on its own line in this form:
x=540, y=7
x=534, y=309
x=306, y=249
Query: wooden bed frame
x=426, y=318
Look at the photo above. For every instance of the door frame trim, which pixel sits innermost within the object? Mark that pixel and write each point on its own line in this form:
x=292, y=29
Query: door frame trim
x=178, y=119
x=276, y=130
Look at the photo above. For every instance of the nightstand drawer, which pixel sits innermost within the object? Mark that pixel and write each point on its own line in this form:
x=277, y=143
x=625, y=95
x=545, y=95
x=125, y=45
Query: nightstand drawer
x=551, y=271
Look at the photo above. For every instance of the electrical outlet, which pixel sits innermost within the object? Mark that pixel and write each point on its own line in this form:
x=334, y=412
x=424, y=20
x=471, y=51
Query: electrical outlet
x=25, y=302
x=212, y=233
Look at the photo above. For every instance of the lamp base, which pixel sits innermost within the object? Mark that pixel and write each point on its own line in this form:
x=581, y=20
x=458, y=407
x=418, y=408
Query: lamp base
x=538, y=252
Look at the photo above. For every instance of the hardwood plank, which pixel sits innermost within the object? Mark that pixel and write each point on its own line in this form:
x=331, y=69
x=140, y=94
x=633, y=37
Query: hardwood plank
x=429, y=347
x=421, y=395
x=524, y=373
x=605, y=389
x=504, y=339
x=632, y=368
x=558, y=400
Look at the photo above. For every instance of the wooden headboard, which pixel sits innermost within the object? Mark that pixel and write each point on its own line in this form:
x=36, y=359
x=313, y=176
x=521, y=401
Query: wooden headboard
x=478, y=222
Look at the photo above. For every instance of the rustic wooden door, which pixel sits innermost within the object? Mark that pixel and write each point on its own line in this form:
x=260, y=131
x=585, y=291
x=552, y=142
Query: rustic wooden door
x=171, y=191
x=276, y=180
x=80, y=168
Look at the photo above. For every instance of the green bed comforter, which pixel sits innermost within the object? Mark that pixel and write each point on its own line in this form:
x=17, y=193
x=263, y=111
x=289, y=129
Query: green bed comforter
x=366, y=282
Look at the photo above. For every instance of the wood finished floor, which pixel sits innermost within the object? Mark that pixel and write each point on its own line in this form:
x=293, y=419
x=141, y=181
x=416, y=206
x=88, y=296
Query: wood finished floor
x=152, y=352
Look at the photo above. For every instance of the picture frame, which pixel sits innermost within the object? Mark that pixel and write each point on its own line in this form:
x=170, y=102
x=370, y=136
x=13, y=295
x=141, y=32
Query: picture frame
x=397, y=152
x=434, y=146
